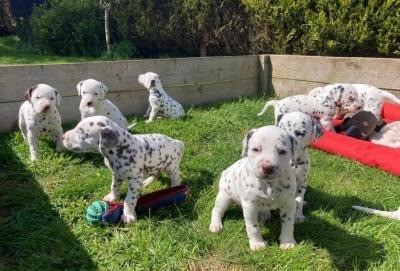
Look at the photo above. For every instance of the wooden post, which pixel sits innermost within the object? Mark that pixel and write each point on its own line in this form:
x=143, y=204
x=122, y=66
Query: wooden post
x=265, y=76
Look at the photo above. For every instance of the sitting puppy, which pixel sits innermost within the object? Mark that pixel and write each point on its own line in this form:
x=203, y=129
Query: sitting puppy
x=39, y=115
x=305, y=130
x=321, y=103
x=134, y=158
x=161, y=104
x=262, y=180
x=93, y=102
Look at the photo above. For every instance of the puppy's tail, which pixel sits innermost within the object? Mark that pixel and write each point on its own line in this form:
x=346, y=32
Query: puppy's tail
x=268, y=104
x=131, y=126
x=389, y=97
x=393, y=215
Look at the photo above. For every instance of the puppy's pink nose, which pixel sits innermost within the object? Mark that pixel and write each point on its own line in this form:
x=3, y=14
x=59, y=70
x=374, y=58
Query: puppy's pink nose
x=89, y=104
x=267, y=169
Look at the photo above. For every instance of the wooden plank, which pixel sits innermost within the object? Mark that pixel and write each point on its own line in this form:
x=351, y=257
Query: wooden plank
x=136, y=101
x=380, y=72
x=122, y=75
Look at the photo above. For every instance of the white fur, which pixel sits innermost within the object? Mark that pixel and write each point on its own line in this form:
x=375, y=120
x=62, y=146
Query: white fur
x=260, y=181
x=94, y=103
x=393, y=214
x=39, y=115
x=161, y=104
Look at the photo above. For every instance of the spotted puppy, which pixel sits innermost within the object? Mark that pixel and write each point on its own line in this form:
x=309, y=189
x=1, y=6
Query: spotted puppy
x=372, y=98
x=305, y=130
x=321, y=103
x=161, y=104
x=94, y=103
x=134, y=158
x=262, y=180
x=39, y=115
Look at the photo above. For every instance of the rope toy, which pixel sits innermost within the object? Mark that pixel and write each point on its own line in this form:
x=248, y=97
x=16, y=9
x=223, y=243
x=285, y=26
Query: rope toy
x=104, y=212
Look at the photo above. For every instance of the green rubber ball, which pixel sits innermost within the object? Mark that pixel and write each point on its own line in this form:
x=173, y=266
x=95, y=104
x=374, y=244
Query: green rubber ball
x=95, y=211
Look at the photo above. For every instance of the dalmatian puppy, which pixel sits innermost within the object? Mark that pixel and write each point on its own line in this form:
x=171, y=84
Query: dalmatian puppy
x=305, y=130
x=262, y=180
x=94, y=103
x=39, y=115
x=373, y=98
x=161, y=104
x=134, y=158
x=321, y=103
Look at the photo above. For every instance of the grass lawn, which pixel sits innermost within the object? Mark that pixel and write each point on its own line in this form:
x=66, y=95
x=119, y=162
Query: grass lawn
x=42, y=207
x=14, y=52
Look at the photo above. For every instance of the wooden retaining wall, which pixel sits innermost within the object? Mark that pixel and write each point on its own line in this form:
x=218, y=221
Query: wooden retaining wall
x=191, y=81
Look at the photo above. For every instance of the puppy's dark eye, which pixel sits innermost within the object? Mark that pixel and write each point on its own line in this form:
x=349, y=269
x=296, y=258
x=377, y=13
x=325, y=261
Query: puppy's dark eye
x=256, y=149
x=51, y=98
x=351, y=99
x=84, y=92
x=38, y=98
x=282, y=152
x=96, y=93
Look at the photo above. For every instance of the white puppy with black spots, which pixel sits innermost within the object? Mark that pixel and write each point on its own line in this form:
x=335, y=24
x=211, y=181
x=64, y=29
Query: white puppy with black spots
x=39, y=115
x=161, y=104
x=134, y=158
x=262, y=180
x=94, y=103
x=321, y=103
x=305, y=130
x=372, y=98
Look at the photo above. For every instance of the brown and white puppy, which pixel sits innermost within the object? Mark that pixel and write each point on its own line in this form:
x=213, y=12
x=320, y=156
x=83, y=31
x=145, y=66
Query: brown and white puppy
x=136, y=159
x=39, y=115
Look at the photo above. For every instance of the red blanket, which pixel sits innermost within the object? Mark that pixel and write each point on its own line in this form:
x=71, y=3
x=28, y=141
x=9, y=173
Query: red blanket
x=365, y=152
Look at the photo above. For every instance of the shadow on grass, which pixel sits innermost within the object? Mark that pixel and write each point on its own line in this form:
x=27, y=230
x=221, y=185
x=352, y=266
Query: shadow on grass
x=347, y=250
x=33, y=235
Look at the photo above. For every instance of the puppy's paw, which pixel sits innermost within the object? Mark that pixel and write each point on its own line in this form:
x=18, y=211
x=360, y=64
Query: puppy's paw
x=257, y=245
x=216, y=227
x=287, y=245
x=263, y=216
x=299, y=219
x=148, y=121
x=110, y=197
x=128, y=218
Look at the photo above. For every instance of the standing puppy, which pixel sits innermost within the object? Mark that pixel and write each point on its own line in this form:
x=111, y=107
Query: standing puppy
x=161, y=104
x=305, y=130
x=321, y=103
x=260, y=181
x=39, y=115
x=94, y=103
x=134, y=158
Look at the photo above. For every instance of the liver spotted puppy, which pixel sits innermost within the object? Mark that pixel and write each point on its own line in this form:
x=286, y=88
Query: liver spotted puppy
x=39, y=115
x=161, y=104
x=134, y=158
x=94, y=103
x=262, y=180
x=305, y=129
x=321, y=103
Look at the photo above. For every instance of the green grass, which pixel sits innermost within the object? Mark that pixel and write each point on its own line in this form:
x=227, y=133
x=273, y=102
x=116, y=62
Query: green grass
x=14, y=52
x=42, y=207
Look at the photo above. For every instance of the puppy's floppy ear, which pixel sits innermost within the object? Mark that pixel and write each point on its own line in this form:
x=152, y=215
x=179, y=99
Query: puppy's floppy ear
x=152, y=83
x=336, y=93
x=294, y=146
x=103, y=90
x=28, y=93
x=108, y=138
x=79, y=88
x=58, y=98
x=318, y=131
x=245, y=142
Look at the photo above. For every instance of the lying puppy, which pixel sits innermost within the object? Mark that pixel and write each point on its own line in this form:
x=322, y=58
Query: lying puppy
x=134, y=158
x=39, y=115
x=161, y=105
x=393, y=215
x=321, y=103
x=93, y=102
x=260, y=181
x=305, y=130
x=372, y=99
